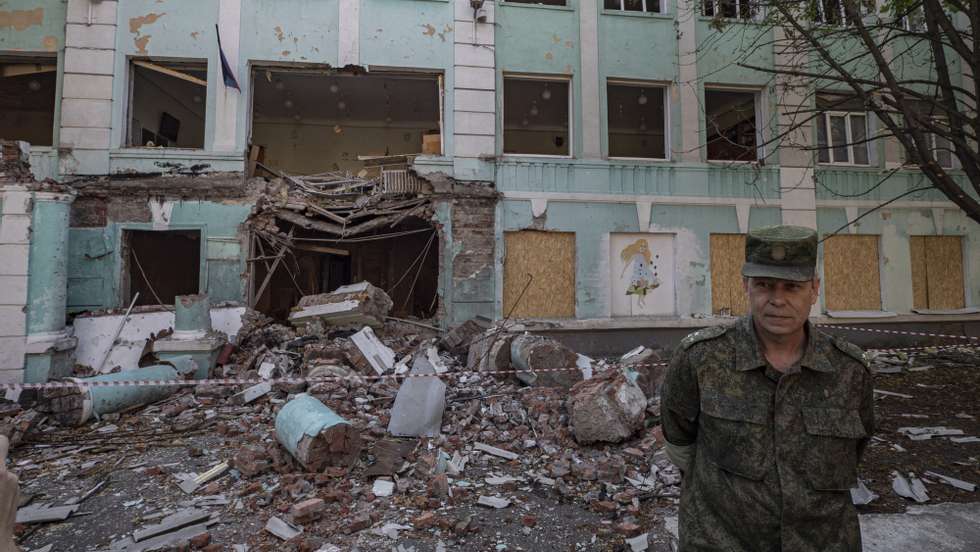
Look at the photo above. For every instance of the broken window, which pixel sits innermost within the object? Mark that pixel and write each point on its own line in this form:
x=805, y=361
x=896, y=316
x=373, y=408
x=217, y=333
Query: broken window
x=649, y=6
x=543, y=2
x=160, y=265
x=27, y=97
x=536, y=116
x=832, y=12
x=842, y=130
x=637, y=121
x=730, y=118
x=731, y=9
x=168, y=104
x=307, y=122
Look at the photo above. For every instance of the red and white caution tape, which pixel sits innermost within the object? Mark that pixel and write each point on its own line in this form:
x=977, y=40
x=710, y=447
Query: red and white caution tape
x=897, y=332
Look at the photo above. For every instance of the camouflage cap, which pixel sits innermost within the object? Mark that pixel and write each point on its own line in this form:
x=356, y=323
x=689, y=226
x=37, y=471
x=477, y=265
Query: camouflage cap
x=784, y=252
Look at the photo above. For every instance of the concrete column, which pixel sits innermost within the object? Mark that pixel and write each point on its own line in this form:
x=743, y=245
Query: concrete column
x=227, y=99
x=687, y=89
x=15, y=232
x=192, y=316
x=193, y=347
x=48, y=345
x=86, y=106
x=588, y=14
x=474, y=88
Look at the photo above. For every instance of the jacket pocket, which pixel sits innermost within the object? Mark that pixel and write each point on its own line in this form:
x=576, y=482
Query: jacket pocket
x=832, y=441
x=735, y=435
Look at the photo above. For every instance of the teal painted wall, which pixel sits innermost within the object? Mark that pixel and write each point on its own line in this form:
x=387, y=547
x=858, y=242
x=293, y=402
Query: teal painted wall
x=47, y=268
x=95, y=265
x=39, y=25
x=721, y=52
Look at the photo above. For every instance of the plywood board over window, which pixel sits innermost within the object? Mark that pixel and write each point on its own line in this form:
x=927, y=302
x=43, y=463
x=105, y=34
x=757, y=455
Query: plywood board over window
x=852, y=279
x=937, y=272
x=727, y=256
x=549, y=259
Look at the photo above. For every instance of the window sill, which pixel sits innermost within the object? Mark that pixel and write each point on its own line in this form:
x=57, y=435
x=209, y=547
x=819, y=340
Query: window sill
x=846, y=166
x=642, y=15
x=638, y=160
x=535, y=6
x=731, y=21
x=535, y=156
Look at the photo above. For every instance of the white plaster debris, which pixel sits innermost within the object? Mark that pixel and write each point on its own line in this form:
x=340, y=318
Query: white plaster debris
x=282, y=529
x=493, y=502
x=861, y=495
x=639, y=543
x=958, y=483
x=911, y=488
x=494, y=451
x=926, y=433
x=383, y=487
x=377, y=354
x=893, y=394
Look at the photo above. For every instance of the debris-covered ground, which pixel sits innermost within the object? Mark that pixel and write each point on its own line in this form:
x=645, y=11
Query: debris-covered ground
x=395, y=436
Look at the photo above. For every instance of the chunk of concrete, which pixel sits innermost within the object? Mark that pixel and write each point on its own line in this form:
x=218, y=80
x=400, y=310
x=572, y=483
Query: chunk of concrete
x=373, y=353
x=360, y=304
x=544, y=362
x=490, y=352
x=608, y=409
x=420, y=403
x=315, y=435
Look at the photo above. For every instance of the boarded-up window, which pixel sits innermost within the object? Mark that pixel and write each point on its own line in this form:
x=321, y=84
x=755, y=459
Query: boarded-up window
x=549, y=259
x=852, y=281
x=937, y=272
x=727, y=257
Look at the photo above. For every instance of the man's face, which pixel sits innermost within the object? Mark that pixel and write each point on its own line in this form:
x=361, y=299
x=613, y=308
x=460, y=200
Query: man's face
x=781, y=307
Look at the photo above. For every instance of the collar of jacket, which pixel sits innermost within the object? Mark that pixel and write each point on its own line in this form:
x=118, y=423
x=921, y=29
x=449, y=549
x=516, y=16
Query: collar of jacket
x=748, y=350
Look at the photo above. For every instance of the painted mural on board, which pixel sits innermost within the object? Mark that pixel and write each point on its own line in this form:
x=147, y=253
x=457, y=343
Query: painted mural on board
x=642, y=274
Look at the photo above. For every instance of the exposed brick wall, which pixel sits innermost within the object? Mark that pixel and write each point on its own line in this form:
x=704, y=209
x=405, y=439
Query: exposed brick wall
x=473, y=264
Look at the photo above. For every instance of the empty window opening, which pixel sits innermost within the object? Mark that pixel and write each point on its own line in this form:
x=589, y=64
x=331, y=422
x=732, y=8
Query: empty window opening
x=160, y=265
x=832, y=12
x=542, y=2
x=730, y=117
x=649, y=6
x=308, y=123
x=536, y=115
x=637, y=121
x=402, y=260
x=27, y=98
x=168, y=105
x=731, y=9
x=842, y=130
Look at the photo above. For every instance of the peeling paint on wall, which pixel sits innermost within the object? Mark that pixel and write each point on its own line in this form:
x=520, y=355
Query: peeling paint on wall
x=280, y=36
x=429, y=30
x=50, y=43
x=21, y=20
x=135, y=27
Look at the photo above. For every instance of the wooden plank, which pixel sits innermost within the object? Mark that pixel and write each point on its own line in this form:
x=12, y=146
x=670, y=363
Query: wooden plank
x=171, y=72
x=920, y=286
x=944, y=272
x=852, y=279
x=549, y=257
x=727, y=254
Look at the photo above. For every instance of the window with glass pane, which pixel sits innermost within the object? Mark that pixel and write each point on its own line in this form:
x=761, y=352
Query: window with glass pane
x=649, y=6
x=730, y=9
x=636, y=121
x=536, y=116
x=843, y=138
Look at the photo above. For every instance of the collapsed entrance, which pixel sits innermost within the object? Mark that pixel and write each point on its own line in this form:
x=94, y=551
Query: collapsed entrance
x=306, y=122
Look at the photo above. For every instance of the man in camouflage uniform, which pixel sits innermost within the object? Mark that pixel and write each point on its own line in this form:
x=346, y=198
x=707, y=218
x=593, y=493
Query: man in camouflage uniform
x=768, y=418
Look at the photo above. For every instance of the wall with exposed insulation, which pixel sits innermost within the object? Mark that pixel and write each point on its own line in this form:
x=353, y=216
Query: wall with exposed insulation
x=95, y=255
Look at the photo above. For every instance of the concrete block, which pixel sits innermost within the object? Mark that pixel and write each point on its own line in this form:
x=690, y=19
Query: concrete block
x=15, y=229
x=13, y=259
x=468, y=145
x=13, y=290
x=468, y=122
x=13, y=321
x=480, y=101
x=85, y=138
x=475, y=78
x=12, y=351
x=92, y=62
x=16, y=203
x=95, y=87
x=77, y=112
x=100, y=37
x=475, y=56
x=102, y=12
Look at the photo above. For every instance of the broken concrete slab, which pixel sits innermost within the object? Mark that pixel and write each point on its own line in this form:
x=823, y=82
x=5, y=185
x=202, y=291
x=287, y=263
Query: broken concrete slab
x=371, y=352
x=360, y=304
x=493, y=502
x=459, y=339
x=44, y=513
x=315, y=435
x=172, y=522
x=911, y=488
x=952, y=481
x=544, y=362
x=282, y=529
x=926, y=433
x=251, y=393
x=607, y=409
x=494, y=451
x=861, y=495
x=419, y=404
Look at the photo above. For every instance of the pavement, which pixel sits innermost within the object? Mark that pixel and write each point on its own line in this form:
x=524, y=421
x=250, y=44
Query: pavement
x=949, y=527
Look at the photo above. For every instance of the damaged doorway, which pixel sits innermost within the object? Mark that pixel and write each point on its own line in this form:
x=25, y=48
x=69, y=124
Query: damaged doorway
x=308, y=122
x=27, y=99
x=388, y=242
x=160, y=265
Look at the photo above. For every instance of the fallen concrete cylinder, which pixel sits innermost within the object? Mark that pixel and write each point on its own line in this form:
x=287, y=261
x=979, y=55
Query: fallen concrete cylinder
x=607, y=409
x=490, y=352
x=73, y=406
x=315, y=435
x=420, y=403
x=544, y=362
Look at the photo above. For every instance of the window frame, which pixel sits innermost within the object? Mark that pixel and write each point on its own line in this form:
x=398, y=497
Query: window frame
x=756, y=16
x=821, y=18
x=131, y=65
x=849, y=138
x=760, y=137
x=665, y=87
x=934, y=148
x=622, y=8
x=563, y=79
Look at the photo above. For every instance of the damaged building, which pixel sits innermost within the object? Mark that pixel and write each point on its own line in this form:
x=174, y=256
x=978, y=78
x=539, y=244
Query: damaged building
x=522, y=160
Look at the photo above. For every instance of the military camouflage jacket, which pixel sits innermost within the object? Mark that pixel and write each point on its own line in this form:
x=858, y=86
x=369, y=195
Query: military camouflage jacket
x=775, y=454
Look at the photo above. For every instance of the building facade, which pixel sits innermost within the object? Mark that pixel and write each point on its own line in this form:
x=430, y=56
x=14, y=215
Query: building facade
x=581, y=159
